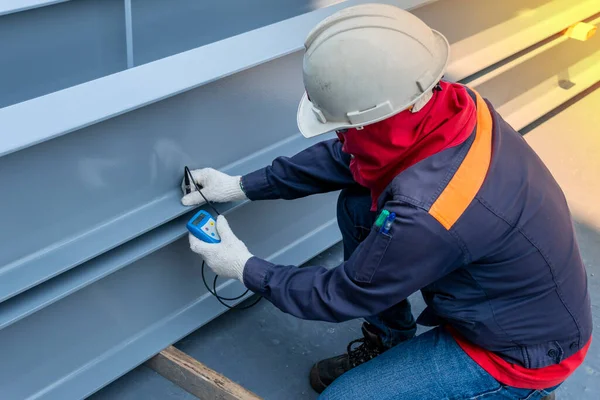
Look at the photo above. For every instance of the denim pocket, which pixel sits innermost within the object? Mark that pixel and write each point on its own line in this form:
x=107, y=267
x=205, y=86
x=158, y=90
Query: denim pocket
x=549, y=391
x=369, y=258
x=522, y=394
x=506, y=393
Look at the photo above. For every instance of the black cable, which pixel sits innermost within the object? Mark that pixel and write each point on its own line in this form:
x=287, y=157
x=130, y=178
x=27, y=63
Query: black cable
x=220, y=299
x=236, y=307
x=188, y=173
x=213, y=292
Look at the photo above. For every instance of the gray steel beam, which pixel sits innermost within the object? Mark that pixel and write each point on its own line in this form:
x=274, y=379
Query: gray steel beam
x=91, y=102
x=72, y=347
x=51, y=48
x=112, y=181
x=80, y=40
x=15, y=6
x=95, y=272
x=129, y=33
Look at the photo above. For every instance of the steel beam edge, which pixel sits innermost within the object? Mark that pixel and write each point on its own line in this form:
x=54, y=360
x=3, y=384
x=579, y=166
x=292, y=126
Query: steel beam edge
x=475, y=53
x=15, y=6
x=46, y=117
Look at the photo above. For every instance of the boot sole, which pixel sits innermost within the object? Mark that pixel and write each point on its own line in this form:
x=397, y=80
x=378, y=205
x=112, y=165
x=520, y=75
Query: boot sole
x=315, y=381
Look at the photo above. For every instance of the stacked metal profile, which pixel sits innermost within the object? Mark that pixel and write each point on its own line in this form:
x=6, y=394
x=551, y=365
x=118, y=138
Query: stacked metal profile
x=104, y=102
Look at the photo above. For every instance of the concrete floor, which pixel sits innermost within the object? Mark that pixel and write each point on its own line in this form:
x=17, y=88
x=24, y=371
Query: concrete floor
x=271, y=353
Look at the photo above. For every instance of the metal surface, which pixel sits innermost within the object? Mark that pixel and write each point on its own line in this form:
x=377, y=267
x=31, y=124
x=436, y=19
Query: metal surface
x=125, y=170
x=162, y=30
x=95, y=271
x=80, y=40
x=108, y=327
x=106, y=278
x=129, y=33
x=532, y=88
x=496, y=30
x=77, y=107
x=73, y=42
x=110, y=183
x=143, y=383
x=15, y=6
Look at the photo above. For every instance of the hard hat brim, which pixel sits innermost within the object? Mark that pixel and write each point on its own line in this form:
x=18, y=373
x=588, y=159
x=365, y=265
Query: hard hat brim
x=308, y=123
x=310, y=126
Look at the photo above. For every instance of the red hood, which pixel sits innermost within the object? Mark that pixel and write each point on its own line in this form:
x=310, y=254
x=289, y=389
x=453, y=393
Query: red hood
x=384, y=149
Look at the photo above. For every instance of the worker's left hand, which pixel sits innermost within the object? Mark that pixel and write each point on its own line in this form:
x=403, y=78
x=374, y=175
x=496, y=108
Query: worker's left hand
x=227, y=258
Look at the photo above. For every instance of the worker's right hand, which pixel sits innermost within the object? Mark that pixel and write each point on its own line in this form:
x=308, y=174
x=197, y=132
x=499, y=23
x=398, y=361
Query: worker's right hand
x=216, y=186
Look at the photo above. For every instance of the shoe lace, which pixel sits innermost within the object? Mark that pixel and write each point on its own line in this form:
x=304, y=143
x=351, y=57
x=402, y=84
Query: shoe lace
x=362, y=353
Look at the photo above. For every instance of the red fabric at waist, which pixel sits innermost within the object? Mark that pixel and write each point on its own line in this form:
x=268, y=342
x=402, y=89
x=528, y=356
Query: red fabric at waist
x=517, y=376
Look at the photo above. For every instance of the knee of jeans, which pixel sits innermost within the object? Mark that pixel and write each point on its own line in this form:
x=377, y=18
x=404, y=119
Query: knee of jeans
x=337, y=390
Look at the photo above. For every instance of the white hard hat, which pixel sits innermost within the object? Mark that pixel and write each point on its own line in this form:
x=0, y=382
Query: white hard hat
x=366, y=63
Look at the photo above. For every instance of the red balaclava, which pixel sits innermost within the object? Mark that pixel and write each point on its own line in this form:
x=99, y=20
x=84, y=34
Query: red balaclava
x=384, y=149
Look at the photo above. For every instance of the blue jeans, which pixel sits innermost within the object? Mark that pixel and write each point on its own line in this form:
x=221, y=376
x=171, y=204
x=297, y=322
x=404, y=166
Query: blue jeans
x=430, y=366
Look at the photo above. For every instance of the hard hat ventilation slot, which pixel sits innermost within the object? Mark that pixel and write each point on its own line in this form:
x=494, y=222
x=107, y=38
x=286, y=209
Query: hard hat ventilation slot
x=379, y=111
x=319, y=114
x=424, y=82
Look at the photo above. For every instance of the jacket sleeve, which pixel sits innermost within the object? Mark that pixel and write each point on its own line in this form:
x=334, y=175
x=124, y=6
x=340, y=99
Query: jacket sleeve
x=384, y=270
x=320, y=168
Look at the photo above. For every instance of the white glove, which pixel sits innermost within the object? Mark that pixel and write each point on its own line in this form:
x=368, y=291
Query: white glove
x=215, y=185
x=227, y=258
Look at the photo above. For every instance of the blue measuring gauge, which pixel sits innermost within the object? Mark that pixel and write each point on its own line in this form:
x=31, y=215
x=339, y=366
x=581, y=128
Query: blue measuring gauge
x=204, y=227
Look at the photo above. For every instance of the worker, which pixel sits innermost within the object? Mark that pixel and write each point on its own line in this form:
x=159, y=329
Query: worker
x=438, y=194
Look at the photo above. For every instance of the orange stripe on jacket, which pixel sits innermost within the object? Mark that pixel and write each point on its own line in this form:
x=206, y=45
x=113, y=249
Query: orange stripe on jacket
x=469, y=177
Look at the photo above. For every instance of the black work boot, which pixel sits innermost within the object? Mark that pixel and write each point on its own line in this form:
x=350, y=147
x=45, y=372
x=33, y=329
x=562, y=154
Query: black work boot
x=326, y=371
x=551, y=396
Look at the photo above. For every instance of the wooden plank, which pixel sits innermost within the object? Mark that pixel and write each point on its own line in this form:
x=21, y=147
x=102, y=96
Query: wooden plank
x=196, y=378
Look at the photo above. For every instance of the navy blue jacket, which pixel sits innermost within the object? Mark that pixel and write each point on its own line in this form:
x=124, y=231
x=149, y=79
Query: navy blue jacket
x=482, y=229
